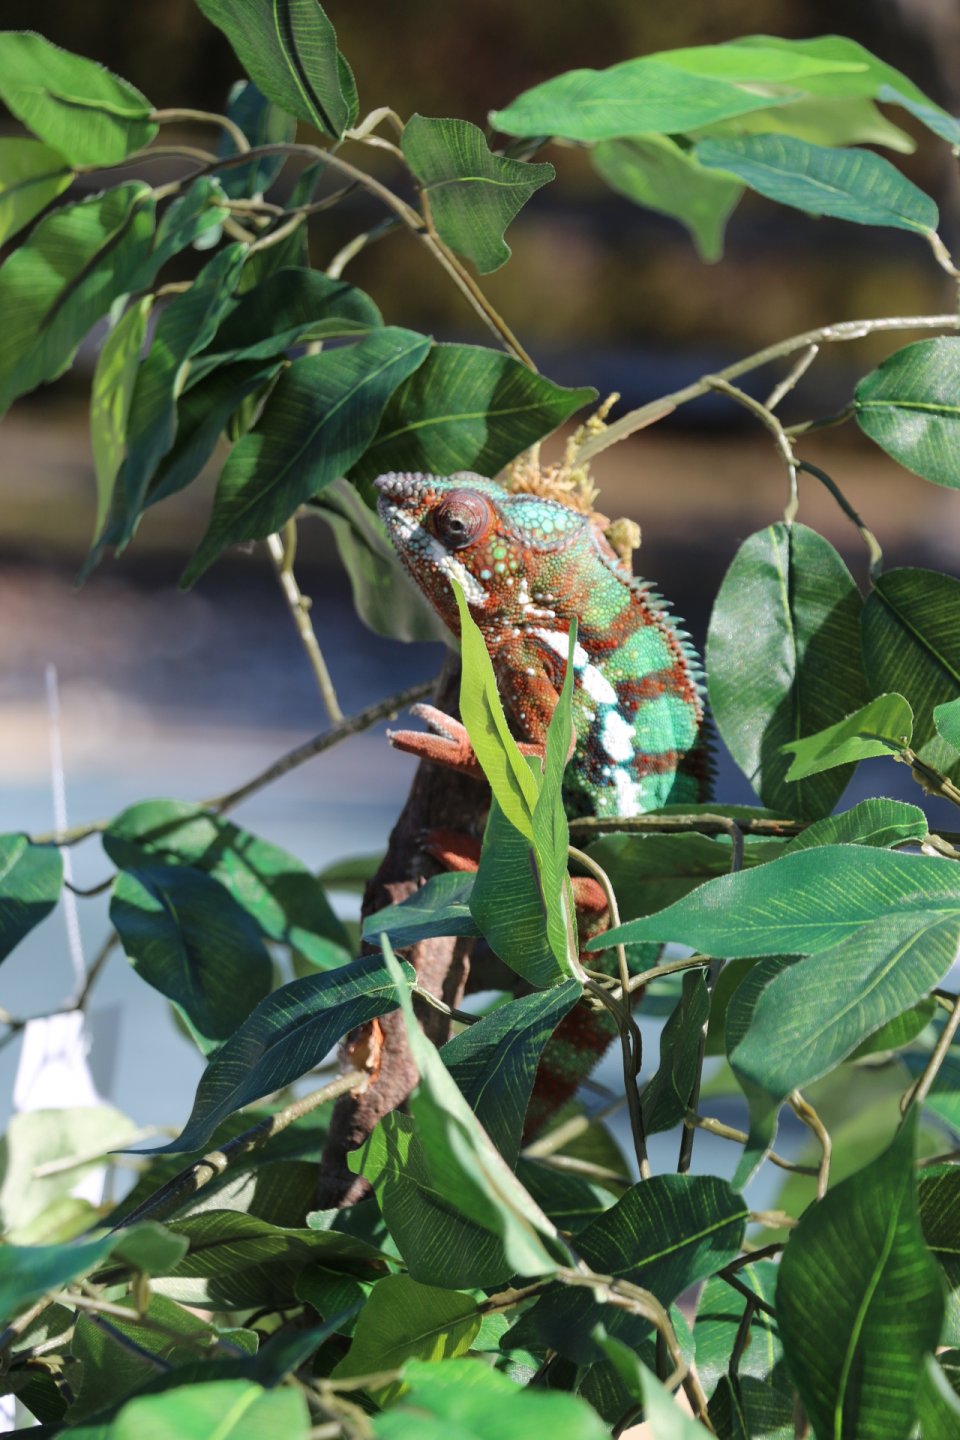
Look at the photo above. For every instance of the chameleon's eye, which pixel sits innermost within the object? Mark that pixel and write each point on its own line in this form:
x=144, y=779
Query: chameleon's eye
x=461, y=518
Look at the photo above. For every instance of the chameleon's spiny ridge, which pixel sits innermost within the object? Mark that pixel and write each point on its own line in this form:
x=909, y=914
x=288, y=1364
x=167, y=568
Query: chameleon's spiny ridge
x=527, y=566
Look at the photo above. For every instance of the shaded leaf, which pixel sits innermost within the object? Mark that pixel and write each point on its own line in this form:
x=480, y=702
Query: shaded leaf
x=719, y=1312
x=667, y=1096
x=30, y=880
x=189, y=219
x=31, y=175
x=321, y=417
x=938, y=1405
x=876, y=821
x=656, y=172
x=466, y=408
x=650, y=871
x=440, y=907
x=85, y=113
x=859, y=1300
x=909, y=406
x=508, y=904
x=29, y=1271
x=263, y=123
x=881, y=727
x=473, y=194
x=405, y=1320
x=660, y=1409
x=113, y=382
x=783, y=660
x=947, y=720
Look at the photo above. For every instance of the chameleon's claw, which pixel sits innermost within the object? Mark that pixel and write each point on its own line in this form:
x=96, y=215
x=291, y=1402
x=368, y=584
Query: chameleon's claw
x=446, y=742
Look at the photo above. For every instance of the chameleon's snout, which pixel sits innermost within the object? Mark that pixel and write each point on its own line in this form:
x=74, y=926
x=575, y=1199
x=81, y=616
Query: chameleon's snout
x=398, y=486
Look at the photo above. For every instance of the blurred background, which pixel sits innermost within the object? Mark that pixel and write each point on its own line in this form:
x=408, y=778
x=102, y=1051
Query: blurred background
x=179, y=695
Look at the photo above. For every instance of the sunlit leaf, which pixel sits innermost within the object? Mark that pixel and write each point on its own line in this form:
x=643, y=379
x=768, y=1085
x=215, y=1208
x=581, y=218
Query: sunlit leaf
x=910, y=407
x=876, y=821
x=881, y=727
x=31, y=175
x=113, y=381
x=30, y=880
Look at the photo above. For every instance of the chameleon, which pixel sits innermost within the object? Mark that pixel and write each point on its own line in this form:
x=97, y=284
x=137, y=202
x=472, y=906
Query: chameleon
x=527, y=565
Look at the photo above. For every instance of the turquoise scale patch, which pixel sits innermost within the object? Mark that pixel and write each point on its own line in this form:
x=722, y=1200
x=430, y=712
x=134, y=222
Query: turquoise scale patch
x=664, y=723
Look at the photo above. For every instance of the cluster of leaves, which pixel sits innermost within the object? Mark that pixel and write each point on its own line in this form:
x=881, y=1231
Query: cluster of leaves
x=484, y=1275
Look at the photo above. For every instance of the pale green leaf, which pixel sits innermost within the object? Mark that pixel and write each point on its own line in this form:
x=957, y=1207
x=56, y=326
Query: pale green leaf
x=656, y=172
x=110, y=396
x=404, y=1320
x=876, y=821
x=910, y=407
x=883, y=726
x=31, y=175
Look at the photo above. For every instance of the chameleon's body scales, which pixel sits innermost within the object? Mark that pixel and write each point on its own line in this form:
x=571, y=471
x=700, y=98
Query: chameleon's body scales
x=527, y=566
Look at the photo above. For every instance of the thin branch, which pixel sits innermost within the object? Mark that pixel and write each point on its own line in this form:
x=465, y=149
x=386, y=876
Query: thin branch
x=282, y=554
x=942, y=256
x=747, y=1293
x=730, y=1132
x=770, y=421
x=434, y=1001
x=630, y=1044
x=918, y=1092
x=571, y=1165
x=793, y=376
x=205, y=117
x=869, y=539
x=560, y=1135
x=805, y=1112
x=826, y=334
x=603, y=880
x=701, y=824
x=930, y=780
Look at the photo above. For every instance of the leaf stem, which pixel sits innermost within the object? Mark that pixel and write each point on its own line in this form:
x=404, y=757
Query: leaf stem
x=919, y=1091
x=282, y=553
x=204, y=117
x=931, y=781
x=805, y=1112
x=869, y=539
x=780, y=436
x=729, y=1132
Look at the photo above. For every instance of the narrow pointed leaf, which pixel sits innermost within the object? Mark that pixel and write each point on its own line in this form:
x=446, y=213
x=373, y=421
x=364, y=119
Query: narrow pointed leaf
x=508, y=903
x=668, y=1094
x=440, y=907
x=654, y=171
x=877, y=821
x=110, y=396
x=74, y=105
x=31, y=175
x=660, y=1409
x=881, y=727
x=910, y=407
x=321, y=417
x=30, y=880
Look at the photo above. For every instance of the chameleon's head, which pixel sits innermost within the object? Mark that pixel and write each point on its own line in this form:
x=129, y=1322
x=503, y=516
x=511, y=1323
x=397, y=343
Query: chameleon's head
x=503, y=549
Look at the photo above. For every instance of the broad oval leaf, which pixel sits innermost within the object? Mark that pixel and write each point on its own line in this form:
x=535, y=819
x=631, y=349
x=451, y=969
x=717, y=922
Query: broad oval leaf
x=911, y=643
x=910, y=407
x=466, y=408
x=783, y=659
x=288, y=1034
x=188, y=938
x=654, y=171
x=883, y=726
x=65, y=276
x=31, y=175
x=848, y=184
x=81, y=110
x=800, y=903
x=30, y=880
x=289, y=50
x=321, y=417
x=859, y=1300
x=472, y=194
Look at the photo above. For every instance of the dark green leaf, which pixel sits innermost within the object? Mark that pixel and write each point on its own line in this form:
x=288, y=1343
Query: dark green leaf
x=876, y=821
x=898, y=1032
x=719, y=1312
x=910, y=408
x=911, y=643
x=440, y=907
x=76, y=262
x=938, y=1406
x=801, y=903
x=508, y=903
x=660, y=1409
x=881, y=727
x=859, y=1300
x=113, y=382
x=405, y=1320
x=81, y=110
x=650, y=871
x=289, y=50
x=30, y=880
x=466, y=408
x=189, y=939
x=288, y=1033
x=656, y=172
x=853, y=185
x=31, y=175
x=287, y=902
x=938, y=1196
x=473, y=194
x=494, y=1062
x=189, y=219
x=321, y=417
x=384, y=596
x=783, y=660
x=667, y=1096
x=263, y=123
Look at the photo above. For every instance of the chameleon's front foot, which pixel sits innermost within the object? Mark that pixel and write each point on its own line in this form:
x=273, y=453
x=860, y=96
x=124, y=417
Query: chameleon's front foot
x=445, y=743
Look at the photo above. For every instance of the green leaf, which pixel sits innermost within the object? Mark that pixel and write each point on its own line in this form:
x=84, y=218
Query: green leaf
x=938, y=1406
x=650, y=871
x=29, y=1271
x=847, y=184
x=263, y=123
x=288, y=1033
x=118, y=365
x=881, y=727
x=947, y=720
x=405, y=1320
x=321, y=417
x=494, y=1062
x=656, y=172
x=783, y=659
x=289, y=50
x=81, y=110
x=287, y=902
x=801, y=903
x=466, y=408
x=465, y=1166
x=667, y=1096
x=876, y=821
x=457, y=1398
x=647, y=95
x=75, y=263
x=943, y=1098
x=440, y=907
x=909, y=406
x=938, y=1198
x=238, y=1261
x=897, y=1033
x=660, y=1409
x=190, y=218
x=187, y=937
x=384, y=596
x=817, y=1011
x=214, y=1410
x=30, y=881
x=509, y=906
x=911, y=643
x=31, y=175
x=719, y=1312
x=287, y=308
x=39, y=1138
x=473, y=194
x=824, y=119
x=859, y=1300
x=935, y=119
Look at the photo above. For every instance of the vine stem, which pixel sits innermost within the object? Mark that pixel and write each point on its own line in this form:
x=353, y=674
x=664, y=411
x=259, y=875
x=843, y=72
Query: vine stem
x=729, y=1132
x=805, y=1112
x=826, y=334
x=205, y=117
x=282, y=551
x=868, y=537
x=918, y=1092
x=780, y=436
x=603, y=880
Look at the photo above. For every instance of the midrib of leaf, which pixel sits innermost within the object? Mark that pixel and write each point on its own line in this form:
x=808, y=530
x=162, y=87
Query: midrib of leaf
x=237, y=1409
x=923, y=643
x=17, y=855
x=684, y=1243
x=478, y=180
x=858, y=1323
x=283, y=27
x=21, y=185
x=926, y=405
x=450, y=418
x=86, y=269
